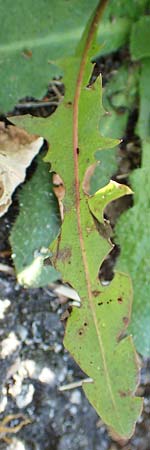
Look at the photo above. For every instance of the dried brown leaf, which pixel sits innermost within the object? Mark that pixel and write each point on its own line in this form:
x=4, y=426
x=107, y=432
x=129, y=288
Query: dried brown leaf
x=17, y=150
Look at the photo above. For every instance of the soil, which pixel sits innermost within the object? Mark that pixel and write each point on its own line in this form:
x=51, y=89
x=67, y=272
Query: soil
x=34, y=363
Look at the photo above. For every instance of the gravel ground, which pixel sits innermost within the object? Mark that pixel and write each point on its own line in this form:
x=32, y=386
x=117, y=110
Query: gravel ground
x=34, y=365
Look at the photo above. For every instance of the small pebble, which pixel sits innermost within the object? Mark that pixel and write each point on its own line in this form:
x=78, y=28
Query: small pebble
x=75, y=397
x=23, y=332
x=9, y=345
x=26, y=396
x=73, y=410
x=47, y=376
x=57, y=347
x=62, y=375
x=4, y=304
x=3, y=403
x=17, y=445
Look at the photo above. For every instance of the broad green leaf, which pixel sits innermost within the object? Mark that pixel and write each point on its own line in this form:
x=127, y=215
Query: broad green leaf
x=140, y=38
x=32, y=37
x=132, y=229
x=36, y=227
x=94, y=331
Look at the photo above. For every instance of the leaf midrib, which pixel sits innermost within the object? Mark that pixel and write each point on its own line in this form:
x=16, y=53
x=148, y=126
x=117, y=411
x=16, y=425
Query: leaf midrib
x=97, y=16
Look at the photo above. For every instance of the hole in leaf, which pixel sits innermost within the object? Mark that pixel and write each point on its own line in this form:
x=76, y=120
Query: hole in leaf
x=106, y=272
x=129, y=158
x=43, y=107
x=125, y=320
x=80, y=331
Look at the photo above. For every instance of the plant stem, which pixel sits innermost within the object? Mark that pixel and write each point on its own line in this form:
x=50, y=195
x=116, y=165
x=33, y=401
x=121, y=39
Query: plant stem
x=94, y=24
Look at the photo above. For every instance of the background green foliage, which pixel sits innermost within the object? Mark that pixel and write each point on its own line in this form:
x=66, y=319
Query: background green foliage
x=133, y=227
x=119, y=93
x=33, y=232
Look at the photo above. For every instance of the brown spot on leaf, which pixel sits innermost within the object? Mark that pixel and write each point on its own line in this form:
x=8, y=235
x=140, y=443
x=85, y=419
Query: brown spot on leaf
x=90, y=229
x=65, y=254
x=100, y=303
x=125, y=320
x=59, y=190
x=27, y=53
x=87, y=178
x=96, y=293
x=120, y=300
x=124, y=394
x=68, y=104
x=120, y=335
x=58, y=186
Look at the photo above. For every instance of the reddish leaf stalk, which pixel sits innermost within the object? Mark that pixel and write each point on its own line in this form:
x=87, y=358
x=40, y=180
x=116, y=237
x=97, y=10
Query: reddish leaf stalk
x=94, y=24
x=98, y=14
